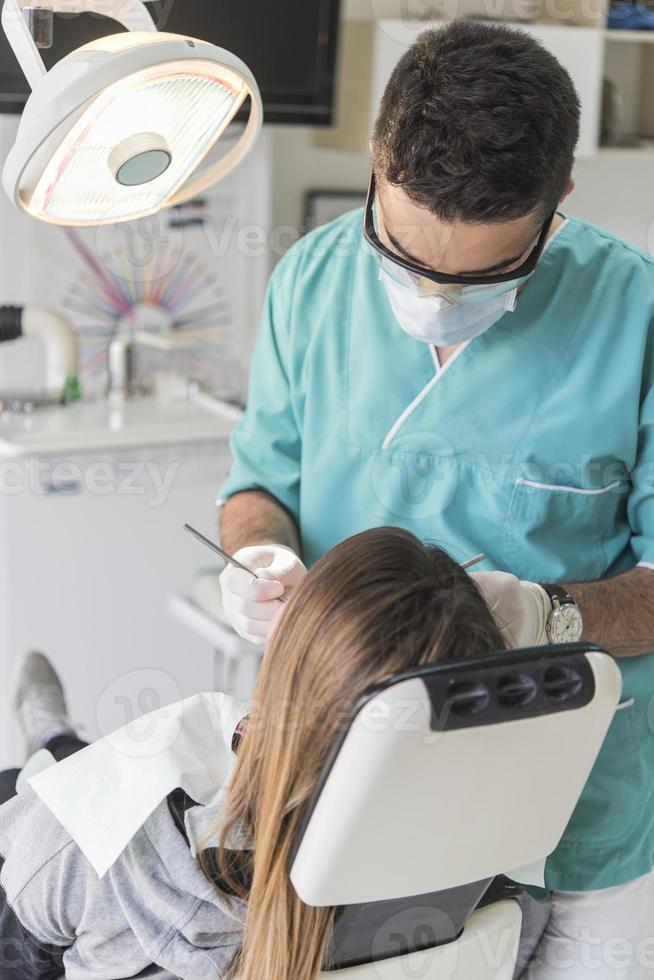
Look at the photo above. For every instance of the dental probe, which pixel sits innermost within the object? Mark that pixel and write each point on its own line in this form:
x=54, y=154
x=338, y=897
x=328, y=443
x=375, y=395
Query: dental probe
x=473, y=561
x=225, y=555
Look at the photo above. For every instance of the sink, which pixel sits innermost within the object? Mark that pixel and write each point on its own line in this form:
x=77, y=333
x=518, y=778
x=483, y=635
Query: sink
x=139, y=421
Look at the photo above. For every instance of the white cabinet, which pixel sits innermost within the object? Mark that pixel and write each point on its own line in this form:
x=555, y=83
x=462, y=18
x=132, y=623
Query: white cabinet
x=92, y=548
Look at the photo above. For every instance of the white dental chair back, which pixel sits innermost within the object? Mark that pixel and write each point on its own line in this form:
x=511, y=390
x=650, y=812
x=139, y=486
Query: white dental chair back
x=443, y=778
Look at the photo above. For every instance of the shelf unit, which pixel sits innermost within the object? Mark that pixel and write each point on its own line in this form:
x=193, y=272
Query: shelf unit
x=629, y=65
x=590, y=52
x=630, y=37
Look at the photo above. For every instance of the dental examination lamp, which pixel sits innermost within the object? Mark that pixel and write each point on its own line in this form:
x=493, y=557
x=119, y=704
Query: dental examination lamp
x=120, y=127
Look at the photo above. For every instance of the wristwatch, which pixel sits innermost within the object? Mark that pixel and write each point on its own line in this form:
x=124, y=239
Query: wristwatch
x=565, y=623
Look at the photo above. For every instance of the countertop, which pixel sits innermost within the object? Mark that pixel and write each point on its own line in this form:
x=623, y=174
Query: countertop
x=86, y=426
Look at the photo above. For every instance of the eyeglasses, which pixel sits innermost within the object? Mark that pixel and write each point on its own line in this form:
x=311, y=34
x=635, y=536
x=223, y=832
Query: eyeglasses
x=383, y=252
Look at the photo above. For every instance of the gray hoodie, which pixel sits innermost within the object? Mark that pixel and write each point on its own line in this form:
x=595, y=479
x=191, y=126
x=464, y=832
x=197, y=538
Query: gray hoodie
x=153, y=914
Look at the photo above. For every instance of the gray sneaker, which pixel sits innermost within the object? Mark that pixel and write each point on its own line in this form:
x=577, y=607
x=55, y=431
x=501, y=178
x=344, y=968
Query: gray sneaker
x=39, y=702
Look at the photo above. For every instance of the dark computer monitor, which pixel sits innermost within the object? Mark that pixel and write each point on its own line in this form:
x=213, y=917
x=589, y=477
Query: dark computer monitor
x=289, y=45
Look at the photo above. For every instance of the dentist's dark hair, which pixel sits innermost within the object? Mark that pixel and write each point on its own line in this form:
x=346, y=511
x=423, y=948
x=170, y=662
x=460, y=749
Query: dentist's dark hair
x=478, y=122
x=378, y=603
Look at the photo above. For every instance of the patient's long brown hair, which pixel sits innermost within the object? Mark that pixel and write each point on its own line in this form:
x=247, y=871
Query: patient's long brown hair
x=378, y=603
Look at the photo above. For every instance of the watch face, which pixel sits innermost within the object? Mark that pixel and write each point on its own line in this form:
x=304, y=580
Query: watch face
x=566, y=624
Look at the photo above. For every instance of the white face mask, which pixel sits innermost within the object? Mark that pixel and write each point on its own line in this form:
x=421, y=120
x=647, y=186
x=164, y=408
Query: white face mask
x=439, y=321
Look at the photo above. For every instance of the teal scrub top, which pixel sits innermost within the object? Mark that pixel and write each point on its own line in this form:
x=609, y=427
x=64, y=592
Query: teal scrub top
x=534, y=444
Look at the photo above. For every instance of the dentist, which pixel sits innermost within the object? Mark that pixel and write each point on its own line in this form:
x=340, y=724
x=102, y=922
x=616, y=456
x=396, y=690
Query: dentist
x=465, y=361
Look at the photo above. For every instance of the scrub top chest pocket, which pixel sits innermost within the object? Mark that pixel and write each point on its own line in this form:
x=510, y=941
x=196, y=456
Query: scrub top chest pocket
x=557, y=533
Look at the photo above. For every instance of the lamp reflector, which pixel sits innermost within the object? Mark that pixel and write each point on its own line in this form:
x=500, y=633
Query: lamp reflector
x=106, y=168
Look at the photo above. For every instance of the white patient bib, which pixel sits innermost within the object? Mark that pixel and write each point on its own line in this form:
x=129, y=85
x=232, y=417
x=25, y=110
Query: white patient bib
x=106, y=791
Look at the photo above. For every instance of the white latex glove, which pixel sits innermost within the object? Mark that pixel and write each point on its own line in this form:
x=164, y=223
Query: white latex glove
x=520, y=609
x=252, y=605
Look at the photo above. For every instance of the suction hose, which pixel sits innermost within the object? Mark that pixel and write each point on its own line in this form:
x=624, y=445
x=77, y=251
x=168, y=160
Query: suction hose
x=11, y=323
x=58, y=339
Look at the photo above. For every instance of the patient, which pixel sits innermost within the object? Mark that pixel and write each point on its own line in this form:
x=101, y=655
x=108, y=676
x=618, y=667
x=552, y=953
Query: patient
x=378, y=603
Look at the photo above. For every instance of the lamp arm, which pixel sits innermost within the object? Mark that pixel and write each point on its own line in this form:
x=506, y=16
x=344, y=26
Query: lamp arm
x=132, y=14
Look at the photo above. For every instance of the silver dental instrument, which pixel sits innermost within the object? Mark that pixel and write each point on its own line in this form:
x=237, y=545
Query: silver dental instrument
x=473, y=561
x=225, y=555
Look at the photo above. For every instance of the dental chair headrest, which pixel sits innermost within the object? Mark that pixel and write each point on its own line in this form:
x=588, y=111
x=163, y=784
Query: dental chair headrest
x=453, y=773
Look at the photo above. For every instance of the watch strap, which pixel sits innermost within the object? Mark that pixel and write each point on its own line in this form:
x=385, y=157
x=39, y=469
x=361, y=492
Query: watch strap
x=559, y=593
